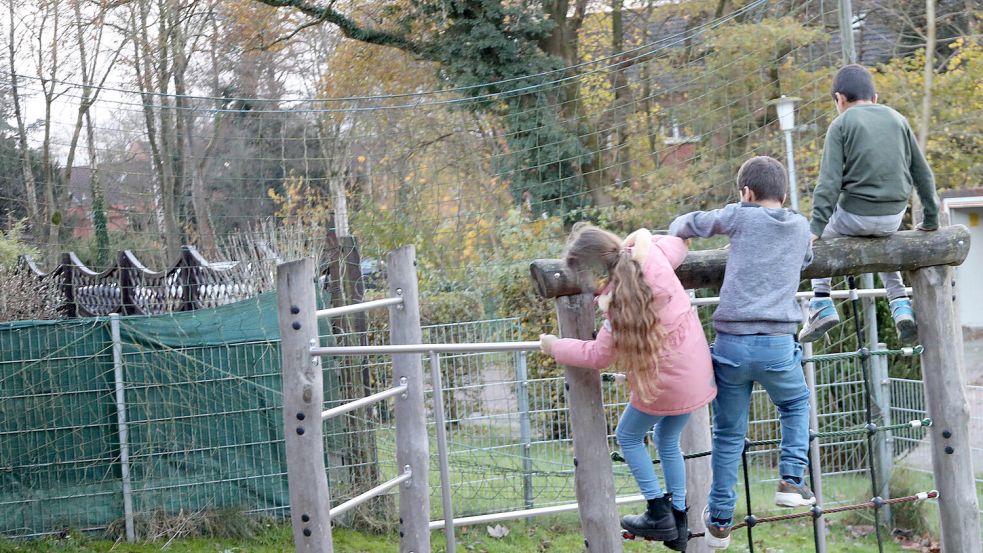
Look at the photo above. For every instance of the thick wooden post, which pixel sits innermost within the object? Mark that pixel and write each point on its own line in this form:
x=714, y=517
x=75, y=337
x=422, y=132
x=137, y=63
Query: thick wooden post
x=696, y=437
x=944, y=375
x=593, y=476
x=412, y=442
x=303, y=401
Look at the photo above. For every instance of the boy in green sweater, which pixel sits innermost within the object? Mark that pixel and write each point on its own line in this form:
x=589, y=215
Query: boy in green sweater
x=870, y=163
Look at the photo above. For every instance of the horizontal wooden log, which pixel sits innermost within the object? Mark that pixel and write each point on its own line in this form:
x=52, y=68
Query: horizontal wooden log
x=903, y=251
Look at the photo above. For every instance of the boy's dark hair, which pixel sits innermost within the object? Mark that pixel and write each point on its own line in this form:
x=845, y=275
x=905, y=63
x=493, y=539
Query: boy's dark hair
x=854, y=82
x=765, y=176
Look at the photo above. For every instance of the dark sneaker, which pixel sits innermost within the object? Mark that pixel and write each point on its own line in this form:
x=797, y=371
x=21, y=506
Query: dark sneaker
x=904, y=320
x=716, y=536
x=822, y=317
x=794, y=495
x=682, y=531
x=655, y=523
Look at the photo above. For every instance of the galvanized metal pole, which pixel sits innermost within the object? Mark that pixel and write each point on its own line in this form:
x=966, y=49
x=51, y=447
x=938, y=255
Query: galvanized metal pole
x=819, y=524
x=412, y=444
x=878, y=375
x=445, y=472
x=525, y=431
x=885, y=444
x=793, y=186
x=124, y=444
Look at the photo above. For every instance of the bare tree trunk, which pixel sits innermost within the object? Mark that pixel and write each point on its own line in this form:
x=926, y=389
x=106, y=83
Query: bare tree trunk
x=30, y=189
x=622, y=99
x=172, y=139
x=90, y=93
x=144, y=68
x=199, y=200
x=651, y=130
x=52, y=193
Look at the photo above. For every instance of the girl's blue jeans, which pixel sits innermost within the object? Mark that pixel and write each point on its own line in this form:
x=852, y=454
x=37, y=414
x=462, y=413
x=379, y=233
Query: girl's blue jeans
x=631, y=431
x=775, y=362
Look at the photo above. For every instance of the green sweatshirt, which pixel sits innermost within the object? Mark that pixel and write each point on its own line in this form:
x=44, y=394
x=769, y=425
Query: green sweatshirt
x=870, y=162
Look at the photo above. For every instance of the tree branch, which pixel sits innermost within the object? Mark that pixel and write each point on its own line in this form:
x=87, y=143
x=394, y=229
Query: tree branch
x=348, y=26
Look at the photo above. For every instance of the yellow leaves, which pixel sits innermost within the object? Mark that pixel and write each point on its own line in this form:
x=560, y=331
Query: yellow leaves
x=299, y=203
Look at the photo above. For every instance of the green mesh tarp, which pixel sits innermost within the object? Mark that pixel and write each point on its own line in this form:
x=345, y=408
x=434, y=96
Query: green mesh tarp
x=203, y=410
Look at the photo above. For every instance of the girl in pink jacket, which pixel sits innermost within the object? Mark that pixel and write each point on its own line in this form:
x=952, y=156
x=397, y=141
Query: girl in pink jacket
x=654, y=336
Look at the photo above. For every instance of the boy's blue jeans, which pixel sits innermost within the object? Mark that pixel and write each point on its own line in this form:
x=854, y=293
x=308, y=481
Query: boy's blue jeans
x=631, y=431
x=738, y=362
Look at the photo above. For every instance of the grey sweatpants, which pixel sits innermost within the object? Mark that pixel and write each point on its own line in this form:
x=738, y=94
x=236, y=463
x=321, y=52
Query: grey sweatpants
x=844, y=223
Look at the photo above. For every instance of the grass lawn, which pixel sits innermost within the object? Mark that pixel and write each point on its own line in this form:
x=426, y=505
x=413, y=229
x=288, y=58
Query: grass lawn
x=559, y=534
x=848, y=532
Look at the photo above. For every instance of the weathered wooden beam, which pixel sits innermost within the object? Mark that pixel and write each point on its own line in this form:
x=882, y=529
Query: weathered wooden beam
x=696, y=437
x=944, y=373
x=593, y=476
x=903, y=251
x=303, y=400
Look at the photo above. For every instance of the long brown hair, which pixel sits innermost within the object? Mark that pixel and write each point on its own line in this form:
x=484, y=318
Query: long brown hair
x=638, y=334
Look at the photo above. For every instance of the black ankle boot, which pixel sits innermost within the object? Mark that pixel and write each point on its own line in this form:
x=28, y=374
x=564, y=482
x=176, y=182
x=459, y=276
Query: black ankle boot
x=682, y=531
x=655, y=523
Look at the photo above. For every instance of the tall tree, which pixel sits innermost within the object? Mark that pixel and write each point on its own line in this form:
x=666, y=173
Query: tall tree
x=508, y=58
x=30, y=188
x=89, y=33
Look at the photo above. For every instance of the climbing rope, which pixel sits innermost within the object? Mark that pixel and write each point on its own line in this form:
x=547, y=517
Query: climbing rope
x=817, y=512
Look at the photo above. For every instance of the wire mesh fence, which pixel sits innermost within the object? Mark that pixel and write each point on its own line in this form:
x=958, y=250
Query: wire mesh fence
x=911, y=448
x=205, y=422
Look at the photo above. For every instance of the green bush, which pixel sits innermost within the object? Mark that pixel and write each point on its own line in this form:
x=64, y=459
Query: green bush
x=13, y=245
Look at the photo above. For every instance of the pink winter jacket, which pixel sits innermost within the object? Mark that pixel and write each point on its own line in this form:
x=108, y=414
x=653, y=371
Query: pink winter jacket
x=685, y=382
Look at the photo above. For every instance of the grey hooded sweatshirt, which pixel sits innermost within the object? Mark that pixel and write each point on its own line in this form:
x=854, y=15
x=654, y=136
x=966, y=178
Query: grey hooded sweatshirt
x=769, y=247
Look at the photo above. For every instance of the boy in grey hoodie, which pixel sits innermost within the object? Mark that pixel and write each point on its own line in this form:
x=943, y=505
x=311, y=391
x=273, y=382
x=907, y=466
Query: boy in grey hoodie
x=755, y=324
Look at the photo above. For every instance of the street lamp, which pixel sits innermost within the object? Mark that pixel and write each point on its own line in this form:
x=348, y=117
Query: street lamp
x=785, y=107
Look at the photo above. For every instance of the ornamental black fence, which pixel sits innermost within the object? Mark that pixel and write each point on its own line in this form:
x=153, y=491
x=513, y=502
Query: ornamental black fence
x=130, y=288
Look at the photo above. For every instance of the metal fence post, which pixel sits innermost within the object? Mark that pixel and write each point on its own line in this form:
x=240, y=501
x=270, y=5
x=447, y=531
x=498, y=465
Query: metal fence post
x=412, y=443
x=815, y=457
x=445, y=473
x=885, y=444
x=525, y=431
x=878, y=378
x=124, y=446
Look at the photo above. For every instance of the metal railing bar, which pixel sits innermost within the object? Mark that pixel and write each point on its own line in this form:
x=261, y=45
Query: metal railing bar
x=374, y=492
x=367, y=400
x=835, y=294
x=357, y=307
x=424, y=348
x=524, y=513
